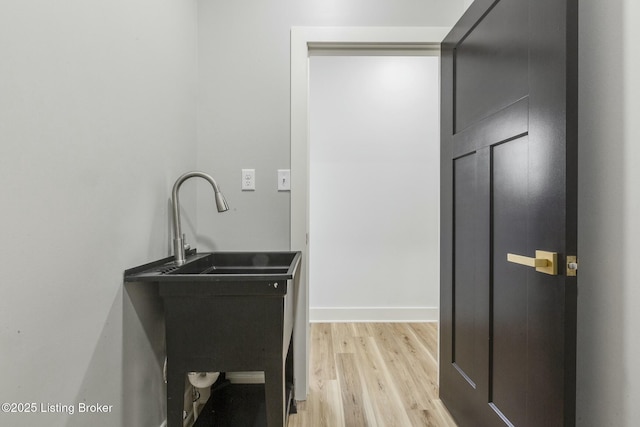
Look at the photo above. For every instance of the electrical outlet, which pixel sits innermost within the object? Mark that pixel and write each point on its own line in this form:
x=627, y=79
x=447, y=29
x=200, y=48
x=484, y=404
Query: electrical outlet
x=248, y=179
x=284, y=180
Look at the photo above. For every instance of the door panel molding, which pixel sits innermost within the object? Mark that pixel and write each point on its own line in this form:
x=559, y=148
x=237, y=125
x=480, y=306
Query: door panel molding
x=508, y=311
x=510, y=122
x=464, y=253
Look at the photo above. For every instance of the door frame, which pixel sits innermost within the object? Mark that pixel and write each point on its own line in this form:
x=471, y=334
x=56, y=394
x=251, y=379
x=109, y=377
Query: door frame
x=304, y=39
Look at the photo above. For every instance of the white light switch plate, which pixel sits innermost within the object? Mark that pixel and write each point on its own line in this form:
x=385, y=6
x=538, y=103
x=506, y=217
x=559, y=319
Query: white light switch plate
x=284, y=180
x=248, y=179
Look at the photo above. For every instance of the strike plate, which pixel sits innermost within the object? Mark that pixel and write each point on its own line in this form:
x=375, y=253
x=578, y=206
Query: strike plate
x=572, y=266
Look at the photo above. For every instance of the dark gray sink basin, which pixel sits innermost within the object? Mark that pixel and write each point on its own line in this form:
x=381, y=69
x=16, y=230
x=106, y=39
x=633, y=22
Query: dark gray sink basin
x=238, y=270
x=239, y=263
x=219, y=266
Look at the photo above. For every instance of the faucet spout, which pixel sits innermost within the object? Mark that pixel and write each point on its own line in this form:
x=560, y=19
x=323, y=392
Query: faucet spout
x=178, y=238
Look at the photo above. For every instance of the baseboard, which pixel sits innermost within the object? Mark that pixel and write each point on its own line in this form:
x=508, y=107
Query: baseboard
x=373, y=314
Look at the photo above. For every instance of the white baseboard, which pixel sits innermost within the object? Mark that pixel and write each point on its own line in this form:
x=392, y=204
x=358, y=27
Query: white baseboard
x=373, y=314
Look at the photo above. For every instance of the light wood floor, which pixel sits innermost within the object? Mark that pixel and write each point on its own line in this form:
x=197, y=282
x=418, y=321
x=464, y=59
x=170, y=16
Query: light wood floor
x=372, y=374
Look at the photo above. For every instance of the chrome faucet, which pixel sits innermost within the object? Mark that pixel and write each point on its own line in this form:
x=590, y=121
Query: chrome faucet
x=178, y=237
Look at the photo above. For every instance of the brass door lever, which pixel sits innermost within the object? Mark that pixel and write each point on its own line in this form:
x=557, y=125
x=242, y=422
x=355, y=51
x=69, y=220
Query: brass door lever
x=544, y=262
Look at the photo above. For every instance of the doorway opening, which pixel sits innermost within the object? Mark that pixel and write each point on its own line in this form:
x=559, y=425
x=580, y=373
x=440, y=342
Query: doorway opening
x=373, y=185
x=304, y=40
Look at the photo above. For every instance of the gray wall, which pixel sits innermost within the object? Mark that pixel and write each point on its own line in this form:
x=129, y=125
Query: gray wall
x=97, y=119
x=243, y=115
x=609, y=217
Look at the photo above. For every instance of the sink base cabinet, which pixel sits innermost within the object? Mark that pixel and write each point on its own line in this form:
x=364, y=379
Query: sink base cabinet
x=229, y=333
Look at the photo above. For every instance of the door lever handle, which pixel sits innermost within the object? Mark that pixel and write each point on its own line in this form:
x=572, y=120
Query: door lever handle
x=544, y=262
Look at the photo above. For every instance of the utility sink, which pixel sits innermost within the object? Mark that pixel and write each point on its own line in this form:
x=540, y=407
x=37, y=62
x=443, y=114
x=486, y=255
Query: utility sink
x=228, y=312
x=225, y=312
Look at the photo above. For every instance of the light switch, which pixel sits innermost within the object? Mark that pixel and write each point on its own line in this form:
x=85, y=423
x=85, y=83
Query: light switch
x=284, y=180
x=248, y=179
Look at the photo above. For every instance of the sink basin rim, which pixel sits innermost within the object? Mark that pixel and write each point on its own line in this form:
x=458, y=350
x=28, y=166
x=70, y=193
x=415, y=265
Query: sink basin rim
x=165, y=270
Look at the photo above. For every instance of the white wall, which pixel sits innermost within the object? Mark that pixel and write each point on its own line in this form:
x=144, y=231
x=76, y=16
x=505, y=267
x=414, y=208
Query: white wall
x=244, y=112
x=374, y=186
x=97, y=119
x=609, y=216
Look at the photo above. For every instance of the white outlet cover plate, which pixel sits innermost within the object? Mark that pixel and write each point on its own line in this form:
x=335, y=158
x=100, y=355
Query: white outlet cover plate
x=248, y=179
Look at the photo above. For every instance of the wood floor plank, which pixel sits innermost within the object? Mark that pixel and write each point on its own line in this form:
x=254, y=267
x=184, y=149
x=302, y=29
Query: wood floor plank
x=373, y=374
x=343, y=337
x=380, y=385
x=423, y=417
x=417, y=356
x=410, y=372
x=321, y=361
x=428, y=334
x=351, y=390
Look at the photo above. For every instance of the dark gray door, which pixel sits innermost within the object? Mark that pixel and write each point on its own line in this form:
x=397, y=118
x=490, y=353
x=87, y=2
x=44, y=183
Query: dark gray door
x=509, y=214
